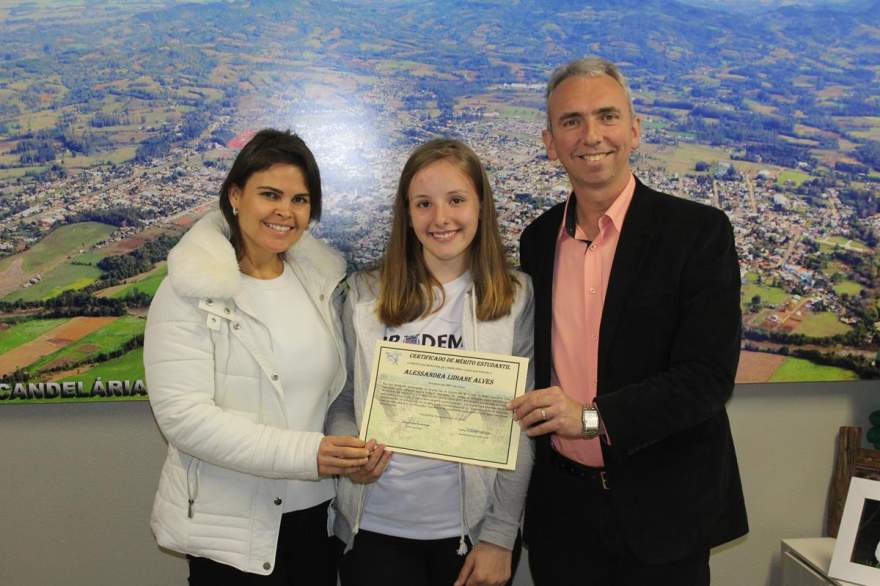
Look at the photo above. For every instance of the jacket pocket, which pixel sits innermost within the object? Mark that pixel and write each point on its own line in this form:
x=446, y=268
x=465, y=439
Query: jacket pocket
x=227, y=494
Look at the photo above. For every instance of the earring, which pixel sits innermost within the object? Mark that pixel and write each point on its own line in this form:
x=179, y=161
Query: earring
x=234, y=211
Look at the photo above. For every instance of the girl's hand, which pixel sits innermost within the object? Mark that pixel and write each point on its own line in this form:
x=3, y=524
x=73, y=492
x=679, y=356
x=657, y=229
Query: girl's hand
x=341, y=454
x=487, y=565
x=375, y=466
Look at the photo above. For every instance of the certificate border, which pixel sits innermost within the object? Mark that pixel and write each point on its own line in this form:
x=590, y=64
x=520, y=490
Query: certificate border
x=510, y=461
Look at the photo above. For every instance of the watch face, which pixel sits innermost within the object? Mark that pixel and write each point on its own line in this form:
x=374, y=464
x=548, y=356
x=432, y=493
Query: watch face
x=590, y=418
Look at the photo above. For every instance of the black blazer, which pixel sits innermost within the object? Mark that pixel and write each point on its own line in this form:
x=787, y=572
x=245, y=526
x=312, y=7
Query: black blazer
x=668, y=351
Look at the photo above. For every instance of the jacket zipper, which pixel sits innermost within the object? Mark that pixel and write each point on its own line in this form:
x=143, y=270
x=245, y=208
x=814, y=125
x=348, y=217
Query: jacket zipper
x=192, y=486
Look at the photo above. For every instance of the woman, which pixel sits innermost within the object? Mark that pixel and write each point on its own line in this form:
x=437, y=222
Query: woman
x=407, y=520
x=243, y=355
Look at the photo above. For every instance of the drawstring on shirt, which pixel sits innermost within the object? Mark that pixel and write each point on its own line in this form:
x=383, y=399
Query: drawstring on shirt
x=474, y=315
x=462, y=542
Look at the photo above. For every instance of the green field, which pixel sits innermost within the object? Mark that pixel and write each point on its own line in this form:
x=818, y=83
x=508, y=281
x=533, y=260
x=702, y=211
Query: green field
x=865, y=127
x=115, y=156
x=799, y=370
x=129, y=366
x=91, y=258
x=67, y=277
x=769, y=295
x=58, y=244
x=147, y=285
x=24, y=332
x=683, y=157
x=106, y=339
x=66, y=241
x=848, y=287
x=518, y=112
x=843, y=243
x=21, y=172
x=655, y=123
x=38, y=120
x=751, y=277
x=796, y=177
x=820, y=325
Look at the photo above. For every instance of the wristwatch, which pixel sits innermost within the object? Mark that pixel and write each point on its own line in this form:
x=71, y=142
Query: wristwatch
x=590, y=420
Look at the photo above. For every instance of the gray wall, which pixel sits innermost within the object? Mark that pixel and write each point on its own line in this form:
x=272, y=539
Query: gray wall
x=77, y=483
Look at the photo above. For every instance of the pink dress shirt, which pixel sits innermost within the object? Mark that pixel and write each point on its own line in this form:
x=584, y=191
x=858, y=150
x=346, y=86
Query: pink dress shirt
x=580, y=281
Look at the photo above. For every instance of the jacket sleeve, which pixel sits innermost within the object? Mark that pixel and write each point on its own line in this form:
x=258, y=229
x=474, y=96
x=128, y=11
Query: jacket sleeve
x=700, y=354
x=501, y=524
x=341, y=417
x=179, y=365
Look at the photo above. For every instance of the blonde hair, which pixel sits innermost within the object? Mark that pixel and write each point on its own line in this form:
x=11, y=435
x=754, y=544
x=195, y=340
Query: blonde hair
x=405, y=291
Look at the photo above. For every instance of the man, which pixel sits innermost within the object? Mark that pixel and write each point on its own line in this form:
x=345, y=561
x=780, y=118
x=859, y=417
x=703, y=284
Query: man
x=637, y=329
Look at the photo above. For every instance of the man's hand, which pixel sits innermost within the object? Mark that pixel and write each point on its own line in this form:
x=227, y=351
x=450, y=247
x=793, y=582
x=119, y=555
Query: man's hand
x=548, y=410
x=375, y=466
x=487, y=565
x=341, y=454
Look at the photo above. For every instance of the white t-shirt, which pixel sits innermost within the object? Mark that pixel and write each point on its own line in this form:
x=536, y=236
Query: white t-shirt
x=307, y=360
x=419, y=498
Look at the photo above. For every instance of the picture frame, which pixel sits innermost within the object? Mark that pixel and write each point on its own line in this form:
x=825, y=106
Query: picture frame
x=852, y=461
x=856, y=551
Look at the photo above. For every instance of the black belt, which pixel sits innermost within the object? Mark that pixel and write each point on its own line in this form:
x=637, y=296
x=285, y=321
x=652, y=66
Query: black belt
x=577, y=470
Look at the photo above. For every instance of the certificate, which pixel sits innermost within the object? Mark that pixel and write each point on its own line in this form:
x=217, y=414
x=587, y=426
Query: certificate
x=445, y=404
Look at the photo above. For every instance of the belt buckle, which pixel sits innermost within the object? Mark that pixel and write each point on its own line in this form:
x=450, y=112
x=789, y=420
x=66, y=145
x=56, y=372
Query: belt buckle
x=604, y=480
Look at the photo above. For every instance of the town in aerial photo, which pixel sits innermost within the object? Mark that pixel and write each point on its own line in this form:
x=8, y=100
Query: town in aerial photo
x=119, y=121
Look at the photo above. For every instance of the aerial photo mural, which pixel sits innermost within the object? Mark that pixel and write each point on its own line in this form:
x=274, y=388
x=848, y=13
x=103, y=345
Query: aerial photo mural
x=119, y=120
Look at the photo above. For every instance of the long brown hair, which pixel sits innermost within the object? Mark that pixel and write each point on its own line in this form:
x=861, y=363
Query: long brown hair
x=405, y=292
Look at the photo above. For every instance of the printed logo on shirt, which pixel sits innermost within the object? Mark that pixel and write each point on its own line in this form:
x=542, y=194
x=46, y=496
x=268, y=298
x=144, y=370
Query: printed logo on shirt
x=439, y=341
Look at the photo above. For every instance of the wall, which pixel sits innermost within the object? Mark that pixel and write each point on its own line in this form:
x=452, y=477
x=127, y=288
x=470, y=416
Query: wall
x=785, y=437
x=77, y=485
x=77, y=482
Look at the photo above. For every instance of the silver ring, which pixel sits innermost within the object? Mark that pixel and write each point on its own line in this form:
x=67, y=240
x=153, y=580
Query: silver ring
x=543, y=414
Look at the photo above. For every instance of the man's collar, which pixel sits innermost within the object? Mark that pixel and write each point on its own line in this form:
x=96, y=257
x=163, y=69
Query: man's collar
x=616, y=213
x=570, y=217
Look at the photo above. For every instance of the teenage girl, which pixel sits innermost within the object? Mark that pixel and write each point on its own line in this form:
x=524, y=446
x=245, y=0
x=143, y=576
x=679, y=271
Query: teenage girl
x=444, y=281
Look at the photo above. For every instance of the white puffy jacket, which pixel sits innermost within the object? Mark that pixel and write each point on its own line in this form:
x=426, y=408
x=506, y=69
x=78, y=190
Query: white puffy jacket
x=217, y=398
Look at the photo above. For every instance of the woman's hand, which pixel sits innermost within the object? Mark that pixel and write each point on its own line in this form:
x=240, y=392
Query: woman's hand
x=341, y=454
x=487, y=565
x=375, y=466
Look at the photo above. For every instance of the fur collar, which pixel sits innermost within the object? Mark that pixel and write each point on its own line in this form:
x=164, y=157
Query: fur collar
x=203, y=263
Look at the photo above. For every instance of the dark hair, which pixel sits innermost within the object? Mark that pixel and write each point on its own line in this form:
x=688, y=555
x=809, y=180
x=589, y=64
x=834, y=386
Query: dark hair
x=269, y=147
x=406, y=282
